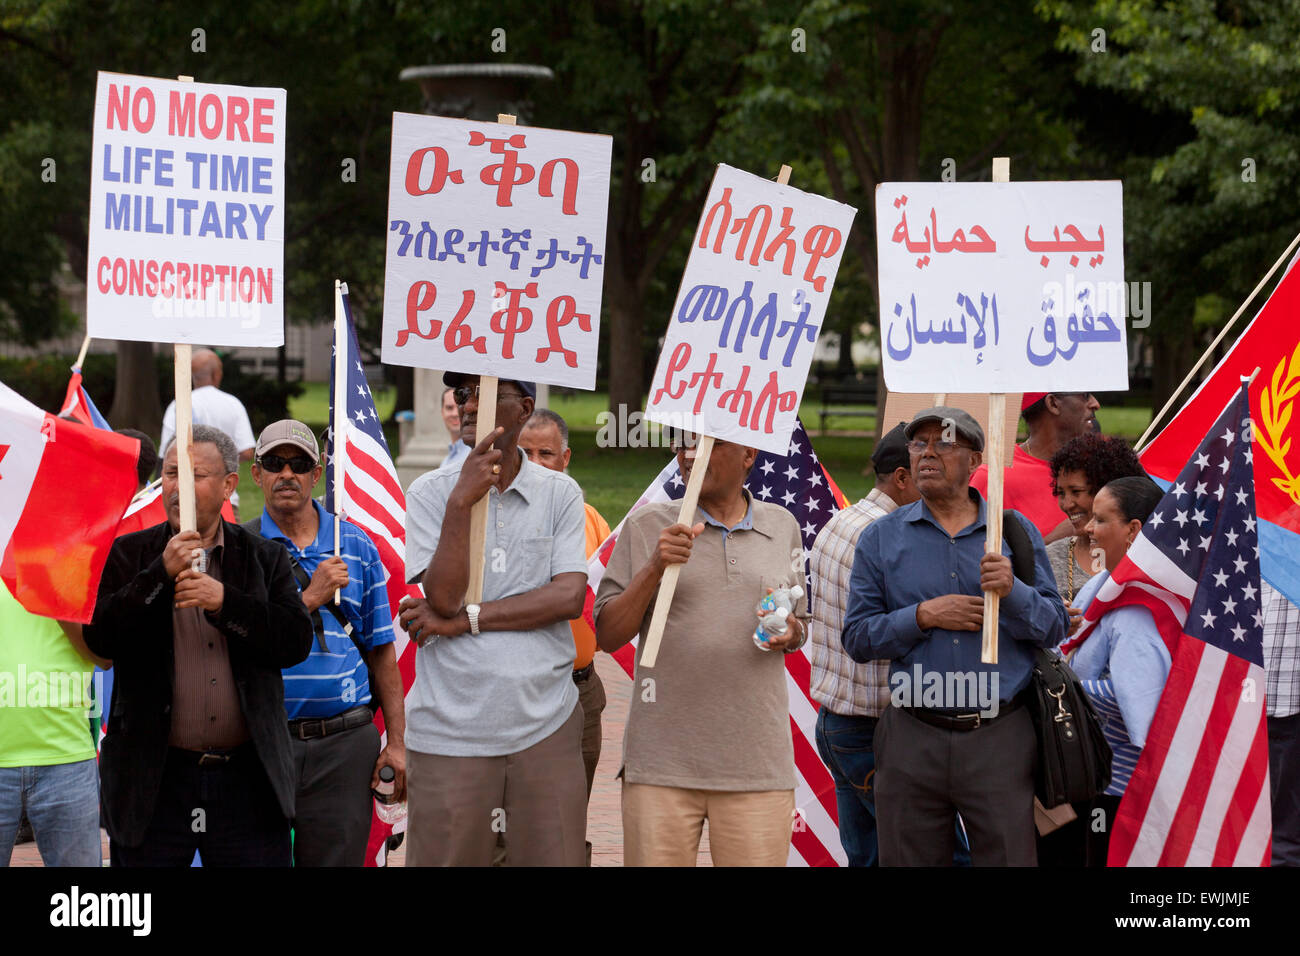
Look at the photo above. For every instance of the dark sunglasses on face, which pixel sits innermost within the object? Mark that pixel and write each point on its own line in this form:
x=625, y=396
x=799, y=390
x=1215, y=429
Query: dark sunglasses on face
x=300, y=464
x=462, y=393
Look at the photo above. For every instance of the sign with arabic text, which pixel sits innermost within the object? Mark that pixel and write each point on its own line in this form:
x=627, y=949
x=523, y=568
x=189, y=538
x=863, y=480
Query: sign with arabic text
x=1002, y=287
x=496, y=249
x=749, y=310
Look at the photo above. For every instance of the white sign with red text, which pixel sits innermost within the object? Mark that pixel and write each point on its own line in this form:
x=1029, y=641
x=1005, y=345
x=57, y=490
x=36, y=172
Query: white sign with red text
x=496, y=249
x=1002, y=287
x=749, y=310
x=186, y=213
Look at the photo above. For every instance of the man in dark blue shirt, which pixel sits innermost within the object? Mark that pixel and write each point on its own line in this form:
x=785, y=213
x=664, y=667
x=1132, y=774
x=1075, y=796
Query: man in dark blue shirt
x=956, y=737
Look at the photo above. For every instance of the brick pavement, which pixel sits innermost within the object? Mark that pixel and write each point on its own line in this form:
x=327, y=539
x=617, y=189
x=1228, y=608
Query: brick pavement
x=604, y=814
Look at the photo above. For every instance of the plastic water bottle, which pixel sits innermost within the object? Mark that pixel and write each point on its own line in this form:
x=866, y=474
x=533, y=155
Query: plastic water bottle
x=387, y=810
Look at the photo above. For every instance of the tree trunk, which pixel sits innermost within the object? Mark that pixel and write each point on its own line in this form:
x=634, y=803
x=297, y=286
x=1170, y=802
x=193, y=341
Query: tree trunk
x=1176, y=351
x=626, y=374
x=136, y=403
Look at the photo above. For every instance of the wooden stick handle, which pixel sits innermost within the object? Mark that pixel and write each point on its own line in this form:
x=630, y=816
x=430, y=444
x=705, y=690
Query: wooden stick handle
x=478, y=515
x=1173, y=397
x=993, y=456
x=993, y=524
x=668, y=583
x=184, y=437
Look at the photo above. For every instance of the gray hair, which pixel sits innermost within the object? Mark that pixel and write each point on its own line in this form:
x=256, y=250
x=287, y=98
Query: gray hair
x=541, y=416
x=207, y=435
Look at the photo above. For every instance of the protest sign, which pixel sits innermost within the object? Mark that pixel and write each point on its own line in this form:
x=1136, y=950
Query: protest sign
x=1002, y=287
x=749, y=310
x=186, y=213
x=496, y=249
x=718, y=287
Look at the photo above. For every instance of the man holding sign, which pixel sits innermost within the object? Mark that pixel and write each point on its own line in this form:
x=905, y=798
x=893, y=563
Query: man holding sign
x=494, y=729
x=956, y=738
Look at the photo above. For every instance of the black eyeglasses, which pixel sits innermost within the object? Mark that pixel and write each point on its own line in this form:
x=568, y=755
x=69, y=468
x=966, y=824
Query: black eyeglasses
x=462, y=393
x=941, y=446
x=300, y=464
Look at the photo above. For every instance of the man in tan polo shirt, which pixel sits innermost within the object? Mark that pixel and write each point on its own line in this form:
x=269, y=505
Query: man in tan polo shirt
x=708, y=733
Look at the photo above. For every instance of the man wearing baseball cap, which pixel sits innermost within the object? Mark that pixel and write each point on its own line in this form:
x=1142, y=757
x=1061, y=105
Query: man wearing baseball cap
x=1052, y=419
x=956, y=738
x=330, y=697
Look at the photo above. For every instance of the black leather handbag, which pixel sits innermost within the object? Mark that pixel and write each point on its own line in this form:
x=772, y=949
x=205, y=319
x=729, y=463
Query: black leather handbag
x=1073, y=755
x=1074, y=758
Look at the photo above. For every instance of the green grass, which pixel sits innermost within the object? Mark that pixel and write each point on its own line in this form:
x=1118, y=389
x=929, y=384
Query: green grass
x=613, y=478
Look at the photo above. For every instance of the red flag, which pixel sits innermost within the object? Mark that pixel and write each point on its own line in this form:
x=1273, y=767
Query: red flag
x=63, y=487
x=1271, y=343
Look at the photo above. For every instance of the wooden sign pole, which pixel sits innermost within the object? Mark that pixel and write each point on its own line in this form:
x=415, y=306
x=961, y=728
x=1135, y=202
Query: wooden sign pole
x=686, y=515
x=993, y=457
x=484, y=424
x=340, y=410
x=185, y=425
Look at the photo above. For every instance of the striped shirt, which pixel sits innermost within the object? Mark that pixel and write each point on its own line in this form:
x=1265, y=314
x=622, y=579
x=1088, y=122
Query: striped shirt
x=334, y=677
x=1281, y=652
x=1123, y=666
x=837, y=682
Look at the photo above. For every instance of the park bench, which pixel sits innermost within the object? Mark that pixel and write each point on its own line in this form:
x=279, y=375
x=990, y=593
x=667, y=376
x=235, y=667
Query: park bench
x=847, y=396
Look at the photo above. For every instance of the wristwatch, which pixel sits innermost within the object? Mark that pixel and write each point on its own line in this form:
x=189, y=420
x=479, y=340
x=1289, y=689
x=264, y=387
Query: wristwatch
x=472, y=610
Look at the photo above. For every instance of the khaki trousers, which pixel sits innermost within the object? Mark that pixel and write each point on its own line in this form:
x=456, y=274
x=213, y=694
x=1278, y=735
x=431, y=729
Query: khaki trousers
x=457, y=806
x=662, y=825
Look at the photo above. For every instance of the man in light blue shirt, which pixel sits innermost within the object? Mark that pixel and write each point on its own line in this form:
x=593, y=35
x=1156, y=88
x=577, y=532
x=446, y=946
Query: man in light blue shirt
x=329, y=697
x=457, y=450
x=494, y=724
x=956, y=738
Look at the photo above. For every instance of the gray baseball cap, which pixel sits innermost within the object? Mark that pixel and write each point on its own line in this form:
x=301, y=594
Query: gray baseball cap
x=288, y=432
x=965, y=424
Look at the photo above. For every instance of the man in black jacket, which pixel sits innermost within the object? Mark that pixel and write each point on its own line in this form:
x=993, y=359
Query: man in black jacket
x=198, y=625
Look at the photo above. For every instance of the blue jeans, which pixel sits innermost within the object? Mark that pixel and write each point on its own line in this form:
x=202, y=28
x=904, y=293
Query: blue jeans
x=62, y=803
x=846, y=747
x=844, y=743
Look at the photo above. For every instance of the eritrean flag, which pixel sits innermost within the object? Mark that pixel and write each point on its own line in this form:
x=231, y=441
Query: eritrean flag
x=1271, y=343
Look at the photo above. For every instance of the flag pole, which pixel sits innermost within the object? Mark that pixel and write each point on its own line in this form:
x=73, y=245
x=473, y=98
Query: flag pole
x=81, y=356
x=340, y=410
x=485, y=425
x=1173, y=397
x=996, y=441
x=668, y=583
x=184, y=424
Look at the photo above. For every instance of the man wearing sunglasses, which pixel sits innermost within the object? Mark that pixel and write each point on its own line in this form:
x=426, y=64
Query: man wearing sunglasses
x=329, y=697
x=494, y=723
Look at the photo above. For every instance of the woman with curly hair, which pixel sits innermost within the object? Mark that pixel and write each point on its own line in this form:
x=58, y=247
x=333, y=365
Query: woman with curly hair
x=1081, y=467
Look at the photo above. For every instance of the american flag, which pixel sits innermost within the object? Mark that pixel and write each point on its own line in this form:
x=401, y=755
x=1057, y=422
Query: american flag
x=801, y=484
x=1200, y=795
x=373, y=500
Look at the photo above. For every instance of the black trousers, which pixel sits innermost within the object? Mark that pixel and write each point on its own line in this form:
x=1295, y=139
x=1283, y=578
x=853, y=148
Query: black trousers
x=334, y=806
x=925, y=774
x=226, y=811
x=1284, y=781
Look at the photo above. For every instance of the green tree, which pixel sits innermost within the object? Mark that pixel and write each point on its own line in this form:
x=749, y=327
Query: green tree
x=1211, y=91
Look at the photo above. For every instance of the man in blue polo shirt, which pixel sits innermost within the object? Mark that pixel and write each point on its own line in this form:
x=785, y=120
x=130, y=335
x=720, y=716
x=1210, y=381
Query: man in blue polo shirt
x=328, y=697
